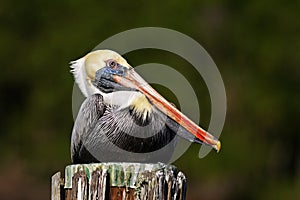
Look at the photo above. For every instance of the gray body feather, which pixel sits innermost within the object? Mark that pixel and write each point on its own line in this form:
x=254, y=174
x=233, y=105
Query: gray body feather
x=105, y=133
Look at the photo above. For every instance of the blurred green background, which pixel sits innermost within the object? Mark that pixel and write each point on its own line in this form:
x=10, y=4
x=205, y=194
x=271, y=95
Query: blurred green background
x=255, y=44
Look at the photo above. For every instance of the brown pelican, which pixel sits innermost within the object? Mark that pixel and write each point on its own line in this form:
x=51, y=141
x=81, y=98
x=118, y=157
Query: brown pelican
x=123, y=118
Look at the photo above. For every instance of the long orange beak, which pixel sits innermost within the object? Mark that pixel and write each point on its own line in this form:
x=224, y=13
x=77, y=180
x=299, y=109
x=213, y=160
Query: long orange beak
x=134, y=80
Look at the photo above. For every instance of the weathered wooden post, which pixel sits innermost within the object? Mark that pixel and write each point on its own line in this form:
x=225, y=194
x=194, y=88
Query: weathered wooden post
x=119, y=181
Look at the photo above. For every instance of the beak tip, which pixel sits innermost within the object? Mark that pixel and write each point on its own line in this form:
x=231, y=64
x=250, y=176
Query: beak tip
x=217, y=146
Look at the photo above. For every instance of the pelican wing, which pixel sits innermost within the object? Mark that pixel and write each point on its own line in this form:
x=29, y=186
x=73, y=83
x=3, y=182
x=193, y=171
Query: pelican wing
x=91, y=110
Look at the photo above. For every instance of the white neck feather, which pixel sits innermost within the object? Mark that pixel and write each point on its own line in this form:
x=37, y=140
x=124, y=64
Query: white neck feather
x=81, y=78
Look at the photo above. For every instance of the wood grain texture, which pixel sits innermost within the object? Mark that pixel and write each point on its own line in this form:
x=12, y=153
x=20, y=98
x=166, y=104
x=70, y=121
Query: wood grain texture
x=119, y=181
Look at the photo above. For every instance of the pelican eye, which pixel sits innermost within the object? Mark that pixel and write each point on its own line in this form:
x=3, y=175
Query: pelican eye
x=112, y=64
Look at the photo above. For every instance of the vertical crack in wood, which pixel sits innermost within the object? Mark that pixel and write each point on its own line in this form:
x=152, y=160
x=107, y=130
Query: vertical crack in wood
x=170, y=183
x=161, y=187
x=94, y=185
x=180, y=191
x=103, y=185
x=80, y=187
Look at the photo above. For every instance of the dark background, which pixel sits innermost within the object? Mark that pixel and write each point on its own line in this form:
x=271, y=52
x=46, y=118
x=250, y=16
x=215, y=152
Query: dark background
x=255, y=45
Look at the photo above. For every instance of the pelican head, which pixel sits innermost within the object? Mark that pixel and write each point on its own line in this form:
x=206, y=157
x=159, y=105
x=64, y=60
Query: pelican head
x=85, y=68
x=105, y=71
